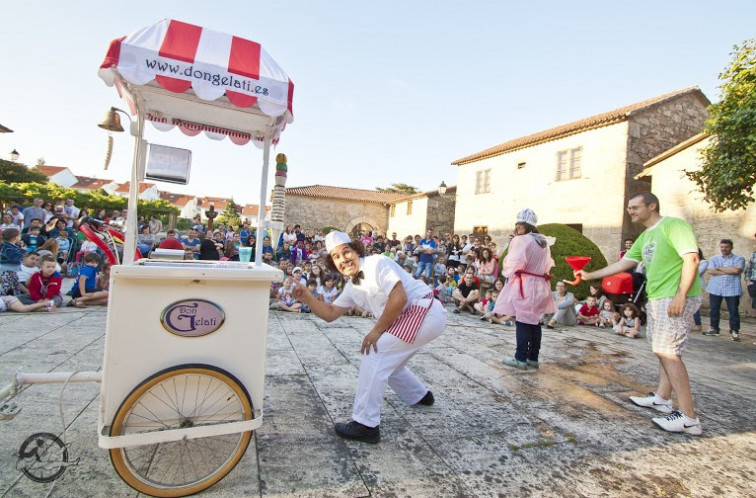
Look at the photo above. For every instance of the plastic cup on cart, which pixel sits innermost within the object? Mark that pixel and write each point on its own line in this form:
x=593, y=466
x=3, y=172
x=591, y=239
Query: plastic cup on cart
x=245, y=254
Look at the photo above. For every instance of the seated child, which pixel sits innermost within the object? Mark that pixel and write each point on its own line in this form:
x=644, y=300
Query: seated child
x=45, y=285
x=103, y=279
x=589, y=312
x=13, y=304
x=439, y=268
x=606, y=315
x=286, y=299
x=33, y=238
x=86, y=247
x=84, y=290
x=28, y=268
x=493, y=317
x=482, y=305
x=312, y=286
x=629, y=323
x=64, y=246
x=11, y=257
x=444, y=291
x=328, y=291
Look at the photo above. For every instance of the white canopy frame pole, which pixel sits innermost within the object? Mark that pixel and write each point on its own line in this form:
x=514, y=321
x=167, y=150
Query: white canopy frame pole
x=263, y=191
x=129, y=245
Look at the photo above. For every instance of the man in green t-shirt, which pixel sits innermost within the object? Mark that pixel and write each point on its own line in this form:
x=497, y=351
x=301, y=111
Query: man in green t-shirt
x=669, y=251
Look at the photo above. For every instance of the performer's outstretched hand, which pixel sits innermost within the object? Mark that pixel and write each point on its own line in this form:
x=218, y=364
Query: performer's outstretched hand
x=370, y=340
x=301, y=292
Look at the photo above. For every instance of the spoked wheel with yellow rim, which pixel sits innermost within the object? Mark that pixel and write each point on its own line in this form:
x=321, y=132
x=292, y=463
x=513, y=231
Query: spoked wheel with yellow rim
x=181, y=397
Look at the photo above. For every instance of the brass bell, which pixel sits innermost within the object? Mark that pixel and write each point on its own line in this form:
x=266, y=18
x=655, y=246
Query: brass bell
x=112, y=121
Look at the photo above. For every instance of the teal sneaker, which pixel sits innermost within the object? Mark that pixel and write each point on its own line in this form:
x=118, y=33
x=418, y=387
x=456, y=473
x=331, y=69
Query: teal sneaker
x=514, y=363
x=532, y=364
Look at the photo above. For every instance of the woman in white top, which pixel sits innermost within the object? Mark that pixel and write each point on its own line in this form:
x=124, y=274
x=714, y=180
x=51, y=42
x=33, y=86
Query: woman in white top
x=404, y=307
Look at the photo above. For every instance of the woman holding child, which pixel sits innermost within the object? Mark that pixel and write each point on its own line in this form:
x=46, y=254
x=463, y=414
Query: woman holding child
x=527, y=294
x=408, y=318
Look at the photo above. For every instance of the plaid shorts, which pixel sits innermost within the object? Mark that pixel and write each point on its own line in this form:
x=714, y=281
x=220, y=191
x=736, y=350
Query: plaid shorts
x=669, y=334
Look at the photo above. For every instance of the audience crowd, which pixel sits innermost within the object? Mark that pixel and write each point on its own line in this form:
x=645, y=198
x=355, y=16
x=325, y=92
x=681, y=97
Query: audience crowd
x=41, y=244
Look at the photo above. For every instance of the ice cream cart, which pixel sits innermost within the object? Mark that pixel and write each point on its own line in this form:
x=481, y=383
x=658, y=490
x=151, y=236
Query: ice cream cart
x=183, y=370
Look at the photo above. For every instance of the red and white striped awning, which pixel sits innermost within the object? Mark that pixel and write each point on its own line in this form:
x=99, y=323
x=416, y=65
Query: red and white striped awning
x=187, y=59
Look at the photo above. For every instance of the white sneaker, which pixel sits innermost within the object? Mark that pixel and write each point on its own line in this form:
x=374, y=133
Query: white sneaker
x=654, y=401
x=677, y=421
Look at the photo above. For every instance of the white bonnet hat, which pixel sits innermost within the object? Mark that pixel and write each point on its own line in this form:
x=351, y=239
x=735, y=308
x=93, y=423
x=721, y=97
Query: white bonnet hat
x=335, y=238
x=528, y=216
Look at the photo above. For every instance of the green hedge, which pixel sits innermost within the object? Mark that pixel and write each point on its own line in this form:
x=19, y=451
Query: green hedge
x=569, y=242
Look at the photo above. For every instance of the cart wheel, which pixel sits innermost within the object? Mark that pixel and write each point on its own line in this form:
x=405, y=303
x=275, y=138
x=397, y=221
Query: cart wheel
x=181, y=396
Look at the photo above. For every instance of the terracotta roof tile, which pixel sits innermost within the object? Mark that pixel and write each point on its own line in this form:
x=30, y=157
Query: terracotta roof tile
x=345, y=194
x=449, y=190
x=597, y=121
x=178, y=200
x=49, y=170
x=88, y=183
x=124, y=187
x=219, y=203
x=253, y=209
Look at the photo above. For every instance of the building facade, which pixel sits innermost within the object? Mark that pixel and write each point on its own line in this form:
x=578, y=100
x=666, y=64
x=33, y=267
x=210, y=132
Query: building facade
x=347, y=209
x=580, y=174
x=415, y=214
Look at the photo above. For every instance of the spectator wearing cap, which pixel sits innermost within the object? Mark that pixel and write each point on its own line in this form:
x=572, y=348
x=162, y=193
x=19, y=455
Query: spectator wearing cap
x=171, y=242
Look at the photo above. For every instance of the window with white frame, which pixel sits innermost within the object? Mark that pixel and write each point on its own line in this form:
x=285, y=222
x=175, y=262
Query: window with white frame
x=569, y=164
x=483, y=181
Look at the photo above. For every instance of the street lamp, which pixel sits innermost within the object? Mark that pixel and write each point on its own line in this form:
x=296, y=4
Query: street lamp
x=14, y=155
x=442, y=188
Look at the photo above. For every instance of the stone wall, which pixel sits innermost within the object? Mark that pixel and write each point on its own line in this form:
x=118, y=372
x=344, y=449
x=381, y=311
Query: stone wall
x=314, y=212
x=440, y=215
x=654, y=131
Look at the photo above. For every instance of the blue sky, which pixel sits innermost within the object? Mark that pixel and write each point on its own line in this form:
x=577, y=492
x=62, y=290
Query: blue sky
x=385, y=91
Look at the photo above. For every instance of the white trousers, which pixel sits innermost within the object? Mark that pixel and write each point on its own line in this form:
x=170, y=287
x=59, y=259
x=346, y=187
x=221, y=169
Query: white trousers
x=388, y=367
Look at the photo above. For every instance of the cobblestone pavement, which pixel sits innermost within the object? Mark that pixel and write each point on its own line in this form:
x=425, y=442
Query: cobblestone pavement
x=566, y=430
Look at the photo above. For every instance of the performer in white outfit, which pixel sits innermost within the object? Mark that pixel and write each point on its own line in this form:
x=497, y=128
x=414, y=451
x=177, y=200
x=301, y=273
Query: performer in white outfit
x=407, y=318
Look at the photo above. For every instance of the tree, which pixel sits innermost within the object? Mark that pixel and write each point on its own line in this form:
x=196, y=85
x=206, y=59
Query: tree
x=398, y=188
x=11, y=172
x=728, y=171
x=230, y=216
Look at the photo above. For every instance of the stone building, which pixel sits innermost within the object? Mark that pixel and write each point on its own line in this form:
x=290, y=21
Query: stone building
x=580, y=173
x=415, y=214
x=347, y=209
x=679, y=197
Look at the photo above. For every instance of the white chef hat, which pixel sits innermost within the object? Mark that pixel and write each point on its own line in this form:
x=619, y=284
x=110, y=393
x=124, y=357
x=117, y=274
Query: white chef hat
x=528, y=216
x=335, y=238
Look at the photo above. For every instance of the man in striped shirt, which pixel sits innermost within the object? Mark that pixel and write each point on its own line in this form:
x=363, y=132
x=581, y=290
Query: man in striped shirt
x=724, y=285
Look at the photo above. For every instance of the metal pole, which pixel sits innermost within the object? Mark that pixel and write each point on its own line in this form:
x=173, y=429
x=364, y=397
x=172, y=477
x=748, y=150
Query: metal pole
x=263, y=191
x=129, y=245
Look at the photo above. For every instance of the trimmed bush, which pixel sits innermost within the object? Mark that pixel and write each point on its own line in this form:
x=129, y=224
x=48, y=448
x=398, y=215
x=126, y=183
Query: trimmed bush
x=569, y=242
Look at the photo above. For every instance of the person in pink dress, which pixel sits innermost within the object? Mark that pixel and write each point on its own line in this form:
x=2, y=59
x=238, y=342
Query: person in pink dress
x=527, y=294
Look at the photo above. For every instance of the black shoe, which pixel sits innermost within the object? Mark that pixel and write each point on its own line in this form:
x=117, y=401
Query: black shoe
x=711, y=332
x=427, y=400
x=455, y=310
x=358, y=432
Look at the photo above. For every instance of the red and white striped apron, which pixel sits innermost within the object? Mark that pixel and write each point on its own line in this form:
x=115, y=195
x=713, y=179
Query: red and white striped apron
x=409, y=321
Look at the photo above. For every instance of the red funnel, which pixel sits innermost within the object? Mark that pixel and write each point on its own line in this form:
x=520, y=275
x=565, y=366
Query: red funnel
x=577, y=262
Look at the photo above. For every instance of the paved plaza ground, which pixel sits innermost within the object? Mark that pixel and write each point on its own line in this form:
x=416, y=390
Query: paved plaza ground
x=566, y=430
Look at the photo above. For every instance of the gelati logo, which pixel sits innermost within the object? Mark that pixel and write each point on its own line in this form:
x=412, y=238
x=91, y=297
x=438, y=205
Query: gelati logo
x=192, y=317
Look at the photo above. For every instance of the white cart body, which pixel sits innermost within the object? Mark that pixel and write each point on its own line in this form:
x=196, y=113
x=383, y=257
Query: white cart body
x=139, y=343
